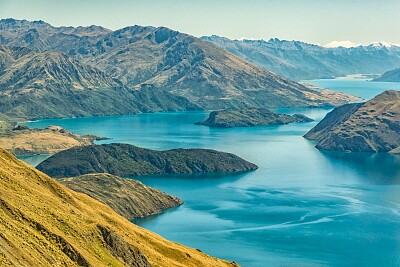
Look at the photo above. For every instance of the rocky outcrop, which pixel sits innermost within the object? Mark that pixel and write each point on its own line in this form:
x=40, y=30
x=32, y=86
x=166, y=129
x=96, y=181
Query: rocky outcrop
x=373, y=126
x=389, y=76
x=250, y=117
x=129, y=198
x=129, y=160
x=43, y=223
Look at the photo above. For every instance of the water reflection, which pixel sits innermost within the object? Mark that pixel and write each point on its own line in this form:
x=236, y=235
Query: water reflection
x=377, y=168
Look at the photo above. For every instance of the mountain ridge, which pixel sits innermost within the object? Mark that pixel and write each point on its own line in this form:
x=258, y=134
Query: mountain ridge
x=389, y=76
x=373, y=126
x=54, y=85
x=299, y=60
x=172, y=61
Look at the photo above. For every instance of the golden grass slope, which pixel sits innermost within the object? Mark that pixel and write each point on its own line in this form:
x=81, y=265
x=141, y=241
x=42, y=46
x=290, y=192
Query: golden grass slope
x=43, y=223
x=51, y=140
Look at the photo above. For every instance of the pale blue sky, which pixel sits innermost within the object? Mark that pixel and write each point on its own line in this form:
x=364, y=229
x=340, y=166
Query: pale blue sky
x=317, y=21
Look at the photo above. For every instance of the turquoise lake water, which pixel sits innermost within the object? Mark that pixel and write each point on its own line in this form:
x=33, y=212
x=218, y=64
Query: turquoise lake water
x=302, y=207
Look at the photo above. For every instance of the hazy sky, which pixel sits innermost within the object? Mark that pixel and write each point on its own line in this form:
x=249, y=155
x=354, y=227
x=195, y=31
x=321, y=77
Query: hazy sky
x=317, y=21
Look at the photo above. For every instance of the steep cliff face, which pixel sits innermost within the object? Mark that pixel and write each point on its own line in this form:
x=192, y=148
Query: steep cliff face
x=373, y=126
x=129, y=198
x=249, y=118
x=129, y=160
x=43, y=223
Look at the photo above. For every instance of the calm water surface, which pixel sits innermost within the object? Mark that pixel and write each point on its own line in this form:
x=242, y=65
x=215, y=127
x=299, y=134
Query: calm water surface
x=303, y=207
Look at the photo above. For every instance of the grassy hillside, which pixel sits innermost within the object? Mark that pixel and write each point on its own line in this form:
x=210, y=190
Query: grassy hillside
x=43, y=223
x=22, y=140
x=129, y=198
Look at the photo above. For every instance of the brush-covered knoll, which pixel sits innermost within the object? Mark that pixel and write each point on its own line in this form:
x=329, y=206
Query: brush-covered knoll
x=44, y=223
x=389, y=76
x=129, y=198
x=130, y=160
x=250, y=117
x=22, y=140
x=176, y=62
x=52, y=84
x=373, y=126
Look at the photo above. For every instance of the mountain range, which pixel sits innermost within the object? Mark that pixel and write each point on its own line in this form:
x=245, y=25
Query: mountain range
x=51, y=84
x=298, y=60
x=90, y=64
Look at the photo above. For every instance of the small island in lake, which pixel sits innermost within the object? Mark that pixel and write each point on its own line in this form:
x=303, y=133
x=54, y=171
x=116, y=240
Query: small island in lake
x=130, y=160
x=250, y=117
x=373, y=126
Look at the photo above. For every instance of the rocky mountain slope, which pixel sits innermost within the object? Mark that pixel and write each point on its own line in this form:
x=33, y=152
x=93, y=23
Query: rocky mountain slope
x=389, y=76
x=129, y=198
x=43, y=223
x=129, y=160
x=373, y=126
x=250, y=117
x=51, y=84
x=172, y=61
x=297, y=60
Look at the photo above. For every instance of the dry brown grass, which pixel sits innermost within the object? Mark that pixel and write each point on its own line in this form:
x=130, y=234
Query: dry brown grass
x=40, y=218
x=41, y=141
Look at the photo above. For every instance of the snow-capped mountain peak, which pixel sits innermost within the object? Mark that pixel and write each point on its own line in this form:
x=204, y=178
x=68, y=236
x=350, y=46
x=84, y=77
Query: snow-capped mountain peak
x=346, y=44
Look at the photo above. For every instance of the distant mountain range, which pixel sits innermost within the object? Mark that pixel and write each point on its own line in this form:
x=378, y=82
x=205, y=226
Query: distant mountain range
x=101, y=69
x=301, y=61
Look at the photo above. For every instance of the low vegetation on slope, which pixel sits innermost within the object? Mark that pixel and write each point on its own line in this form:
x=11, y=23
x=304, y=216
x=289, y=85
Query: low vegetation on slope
x=373, y=126
x=43, y=223
x=22, y=140
x=129, y=198
x=130, y=160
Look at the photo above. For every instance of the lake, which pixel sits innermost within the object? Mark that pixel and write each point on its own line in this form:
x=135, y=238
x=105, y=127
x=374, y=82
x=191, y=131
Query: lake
x=302, y=207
